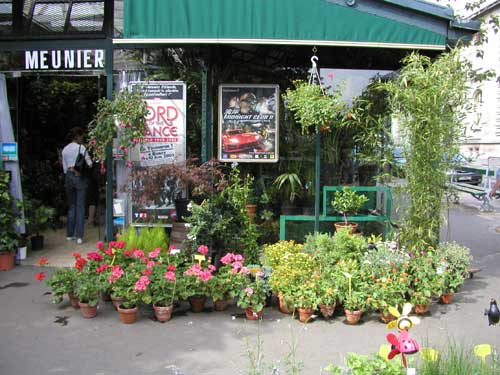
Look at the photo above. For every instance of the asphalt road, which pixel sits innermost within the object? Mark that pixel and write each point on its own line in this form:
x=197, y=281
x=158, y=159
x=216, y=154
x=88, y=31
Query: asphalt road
x=37, y=337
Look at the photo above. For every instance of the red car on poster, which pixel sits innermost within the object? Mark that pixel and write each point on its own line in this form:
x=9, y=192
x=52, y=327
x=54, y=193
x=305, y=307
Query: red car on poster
x=237, y=140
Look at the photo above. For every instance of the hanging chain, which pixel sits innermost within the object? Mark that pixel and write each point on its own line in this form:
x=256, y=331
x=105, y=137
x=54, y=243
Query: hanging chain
x=314, y=77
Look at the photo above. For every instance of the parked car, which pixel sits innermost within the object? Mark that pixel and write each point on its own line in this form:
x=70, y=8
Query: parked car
x=461, y=173
x=238, y=140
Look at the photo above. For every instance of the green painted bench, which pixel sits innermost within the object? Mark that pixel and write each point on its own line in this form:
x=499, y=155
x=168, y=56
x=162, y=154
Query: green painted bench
x=478, y=192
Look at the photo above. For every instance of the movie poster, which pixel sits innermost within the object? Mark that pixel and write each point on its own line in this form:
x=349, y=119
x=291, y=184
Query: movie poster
x=248, y=123
x=165, y=142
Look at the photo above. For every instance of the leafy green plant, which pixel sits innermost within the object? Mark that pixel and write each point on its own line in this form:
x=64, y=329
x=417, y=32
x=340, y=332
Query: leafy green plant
x=429, y=98
x=38, y=216
x=311, y=107
x=275, y=254
x=347, y=202
x=363, y=365
x=8, y=218
x=252, y=295
x=61, y=282
x=163, y=283
x=454, y=266
x=306, y=295
x=150, y=239
x=129, y=110
x=290, y=184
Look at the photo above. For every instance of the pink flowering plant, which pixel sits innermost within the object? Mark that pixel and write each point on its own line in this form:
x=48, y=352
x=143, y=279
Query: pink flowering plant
x=252, y=294
x=194, y=280
x=162, y=289
x=229, y=279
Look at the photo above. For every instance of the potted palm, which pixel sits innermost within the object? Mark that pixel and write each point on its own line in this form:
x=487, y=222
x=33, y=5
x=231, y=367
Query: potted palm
x=9, y=238
x=290, y=185
x=347, y=202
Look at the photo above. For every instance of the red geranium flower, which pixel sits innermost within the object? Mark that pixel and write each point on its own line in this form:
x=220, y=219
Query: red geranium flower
x=43, y=261
x=40, y=276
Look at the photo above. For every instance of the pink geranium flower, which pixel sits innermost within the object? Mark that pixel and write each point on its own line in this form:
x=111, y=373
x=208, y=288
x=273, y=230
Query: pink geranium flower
x=155, y=253
x=249, y=291
x=259, y=274
x=238, y=258
x=92, y=255
x=120, y=244
x=244, y=271
x=99, y=245
x=203, y=249
x=138, y=254
x=169, y=275
x=227, y=259
x=141, y=284
x=171, y=267
x=101, y=268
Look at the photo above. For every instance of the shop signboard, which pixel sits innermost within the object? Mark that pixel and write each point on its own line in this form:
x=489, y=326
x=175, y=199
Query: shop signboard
x=8, y=151
x=64, y=59
x=165, y=143
x=248, y=123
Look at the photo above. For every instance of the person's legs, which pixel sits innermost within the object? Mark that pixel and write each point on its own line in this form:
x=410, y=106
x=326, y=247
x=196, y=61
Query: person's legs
x=81, y=194
x=71, y=197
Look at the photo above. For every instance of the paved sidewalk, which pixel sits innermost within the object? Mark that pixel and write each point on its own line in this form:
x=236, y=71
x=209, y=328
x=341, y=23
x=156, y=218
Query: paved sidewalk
x=40, y=338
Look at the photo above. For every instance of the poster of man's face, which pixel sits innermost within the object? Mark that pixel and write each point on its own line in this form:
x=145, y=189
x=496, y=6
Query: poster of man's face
x=248, y=123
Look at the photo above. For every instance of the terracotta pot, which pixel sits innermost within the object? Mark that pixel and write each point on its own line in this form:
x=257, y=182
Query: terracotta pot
x=117, y=301
x=446, y=298
x=73, y=300
x=251, y=209
x=220, y=305
x=7, y=260
x=327, y=310
x=342, y=225
x=386, y=318
x=87, y=310
x=285, y=307
x=127, y=316
x=197, y=303
x=352, y=317
x=163, y=313
x=251, y=315
x=305, y=314
x=421, y=309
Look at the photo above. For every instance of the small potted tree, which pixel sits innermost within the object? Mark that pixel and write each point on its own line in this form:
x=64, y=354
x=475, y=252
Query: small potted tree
x=39, y=218
x=347, y=202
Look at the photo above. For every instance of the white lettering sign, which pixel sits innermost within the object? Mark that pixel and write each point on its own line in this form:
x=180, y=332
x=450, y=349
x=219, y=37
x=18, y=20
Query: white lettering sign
x=64, y=59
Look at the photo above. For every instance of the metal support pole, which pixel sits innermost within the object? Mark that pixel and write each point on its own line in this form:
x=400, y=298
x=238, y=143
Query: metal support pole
x=109, y=149
x=204, y=117
x=317, y=167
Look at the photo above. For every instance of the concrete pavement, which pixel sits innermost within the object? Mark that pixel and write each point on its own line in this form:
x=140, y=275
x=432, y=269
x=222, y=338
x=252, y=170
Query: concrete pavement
x=40, y=338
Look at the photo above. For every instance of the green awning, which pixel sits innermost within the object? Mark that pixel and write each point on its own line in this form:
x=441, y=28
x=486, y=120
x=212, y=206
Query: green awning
x=300, y=22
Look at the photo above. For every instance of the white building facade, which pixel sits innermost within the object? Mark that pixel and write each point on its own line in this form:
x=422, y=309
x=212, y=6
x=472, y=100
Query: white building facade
x=482, y=134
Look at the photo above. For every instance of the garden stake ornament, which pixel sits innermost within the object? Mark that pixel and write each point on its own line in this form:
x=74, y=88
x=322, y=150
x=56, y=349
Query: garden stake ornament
x=493, y=313
x=402, y=344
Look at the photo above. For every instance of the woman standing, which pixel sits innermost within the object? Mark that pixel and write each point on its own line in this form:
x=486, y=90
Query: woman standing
x=75, y=184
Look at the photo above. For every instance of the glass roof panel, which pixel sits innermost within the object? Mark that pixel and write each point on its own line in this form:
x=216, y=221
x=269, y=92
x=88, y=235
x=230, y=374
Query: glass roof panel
x=50, y=17
x=87, y=17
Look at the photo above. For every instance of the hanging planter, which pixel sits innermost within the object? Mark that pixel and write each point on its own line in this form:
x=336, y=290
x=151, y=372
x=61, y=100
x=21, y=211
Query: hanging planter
x=123, y=118
x=312, y=106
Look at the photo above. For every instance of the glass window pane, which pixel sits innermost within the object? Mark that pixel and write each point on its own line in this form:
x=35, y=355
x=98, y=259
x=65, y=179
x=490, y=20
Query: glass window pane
x=49, y=17
x=5, y=17
x=87, y=17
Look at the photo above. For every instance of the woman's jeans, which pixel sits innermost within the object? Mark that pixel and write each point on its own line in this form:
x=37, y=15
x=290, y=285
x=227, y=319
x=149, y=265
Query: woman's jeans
x=76, y=191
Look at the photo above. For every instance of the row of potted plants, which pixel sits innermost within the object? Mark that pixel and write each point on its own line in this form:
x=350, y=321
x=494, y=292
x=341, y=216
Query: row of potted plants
x=325, y=271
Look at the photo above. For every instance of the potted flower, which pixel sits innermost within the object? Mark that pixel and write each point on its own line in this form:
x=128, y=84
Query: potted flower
x=162, y=290
x=327, y=295
x=354, y=291
x=228, y=280
x=453, y=268
x=347, y=202
x=61, y=282
x=306, y=300
x=425, y=282
x=9, y=239
x=88, y=286
x=252, y=298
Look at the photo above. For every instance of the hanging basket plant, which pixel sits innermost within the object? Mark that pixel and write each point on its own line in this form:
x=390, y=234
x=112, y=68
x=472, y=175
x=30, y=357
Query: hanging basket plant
x=123, y=118
x=312, y=107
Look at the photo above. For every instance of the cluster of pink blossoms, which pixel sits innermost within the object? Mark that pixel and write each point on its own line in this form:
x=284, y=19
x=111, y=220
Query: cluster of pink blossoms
x=249, y=291
x=236, y=262
x=203, y=249
x=92, y=255
x=201, y=273
x=142, y=284
x=116, y=273
x=154, y=254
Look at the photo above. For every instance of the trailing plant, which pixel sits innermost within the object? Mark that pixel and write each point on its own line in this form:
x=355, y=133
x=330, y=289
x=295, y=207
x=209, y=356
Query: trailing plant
x=124, y=117
x=312, y=107
x=429, y=99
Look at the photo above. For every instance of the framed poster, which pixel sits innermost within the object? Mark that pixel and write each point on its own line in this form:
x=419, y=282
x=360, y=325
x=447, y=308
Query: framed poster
x=164, y=143
x=165, y=140
x=248, y=123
